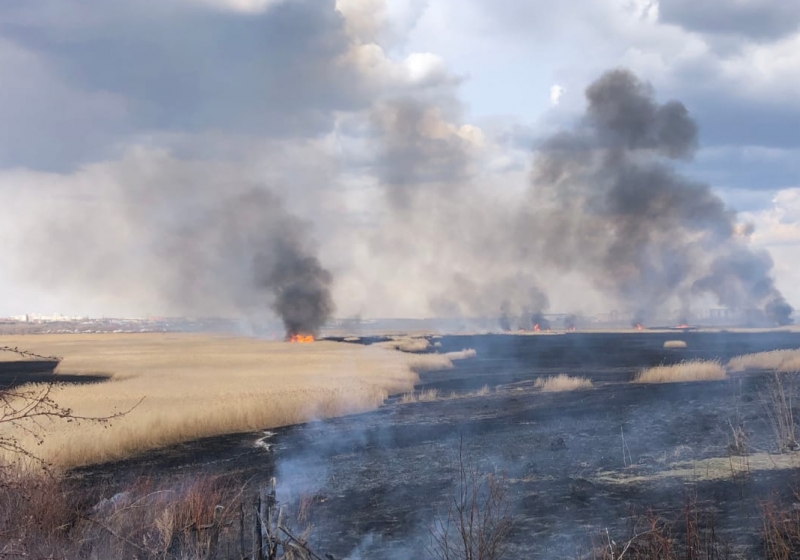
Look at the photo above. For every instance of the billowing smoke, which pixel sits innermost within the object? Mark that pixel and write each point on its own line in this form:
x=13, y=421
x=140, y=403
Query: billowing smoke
x=301, y=287
x=185, y=237
x=539, y=321
x=604, y=201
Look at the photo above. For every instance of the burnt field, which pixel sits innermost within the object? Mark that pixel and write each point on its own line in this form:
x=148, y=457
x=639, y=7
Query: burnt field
x=575, y=463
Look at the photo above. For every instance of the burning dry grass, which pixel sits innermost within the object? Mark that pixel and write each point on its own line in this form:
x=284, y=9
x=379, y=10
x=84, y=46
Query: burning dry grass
x=694, y=370
x=196, y=386
x=562, y=382
x=674, y=344
x=776, y=360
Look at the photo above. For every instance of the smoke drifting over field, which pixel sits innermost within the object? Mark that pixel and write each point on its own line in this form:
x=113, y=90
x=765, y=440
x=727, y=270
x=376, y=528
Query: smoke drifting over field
x=604, y=204
x=193, y=239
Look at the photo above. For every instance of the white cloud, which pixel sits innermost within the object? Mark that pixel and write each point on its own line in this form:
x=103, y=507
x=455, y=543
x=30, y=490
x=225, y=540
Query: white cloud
x=556, y=92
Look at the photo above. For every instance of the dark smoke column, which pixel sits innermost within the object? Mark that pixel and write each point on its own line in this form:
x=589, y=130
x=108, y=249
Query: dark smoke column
x=606, y=201
x=302, y=290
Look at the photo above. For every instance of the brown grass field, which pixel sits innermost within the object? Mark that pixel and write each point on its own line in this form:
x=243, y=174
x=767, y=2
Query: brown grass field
x=195, y=386
x=694, y=370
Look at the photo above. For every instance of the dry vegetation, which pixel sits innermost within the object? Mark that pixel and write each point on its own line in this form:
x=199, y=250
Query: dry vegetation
x=461, y=354
x=694, y=370
x=406, y=344
x=196, y=386
x=776, y=360
x=189, y=518
x=674, y=344
x=562, y=382
x=428, y=395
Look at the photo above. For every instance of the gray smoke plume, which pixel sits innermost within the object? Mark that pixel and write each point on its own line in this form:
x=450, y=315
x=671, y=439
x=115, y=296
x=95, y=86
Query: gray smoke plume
x=187, y=237
x=604, y=201
x=301, y=287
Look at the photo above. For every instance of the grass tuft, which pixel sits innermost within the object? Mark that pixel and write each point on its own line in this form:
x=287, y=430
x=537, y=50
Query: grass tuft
x=562, y=382
x=694, y=370
x=427, y=395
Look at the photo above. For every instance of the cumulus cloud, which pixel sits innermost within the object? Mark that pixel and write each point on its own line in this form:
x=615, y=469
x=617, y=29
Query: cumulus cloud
x=556, y=92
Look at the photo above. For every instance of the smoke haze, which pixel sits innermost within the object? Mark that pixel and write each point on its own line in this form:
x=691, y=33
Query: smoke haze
x=325, y=166
x=605, y=201
x=192, y=239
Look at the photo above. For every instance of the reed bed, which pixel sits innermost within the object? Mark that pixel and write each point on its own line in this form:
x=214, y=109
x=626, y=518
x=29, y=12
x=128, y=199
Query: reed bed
x=693, y=370
x=775, y=360
x=182, y=387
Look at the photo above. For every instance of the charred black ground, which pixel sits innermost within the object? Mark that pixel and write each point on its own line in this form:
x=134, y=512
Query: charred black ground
x=377, y=478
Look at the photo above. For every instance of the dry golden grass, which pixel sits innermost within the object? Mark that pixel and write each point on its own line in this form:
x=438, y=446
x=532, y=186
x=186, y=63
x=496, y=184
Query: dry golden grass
x=694, y=370
x=197, y=385
x=674, y=344
x=428, y=362
x=777, y=360
x=406, y=344
x=562, y=382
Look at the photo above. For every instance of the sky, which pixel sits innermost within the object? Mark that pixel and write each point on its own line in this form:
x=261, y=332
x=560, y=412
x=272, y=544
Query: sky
x=397, y=137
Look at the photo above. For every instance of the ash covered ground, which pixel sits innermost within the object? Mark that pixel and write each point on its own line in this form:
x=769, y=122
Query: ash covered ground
x=576, y=462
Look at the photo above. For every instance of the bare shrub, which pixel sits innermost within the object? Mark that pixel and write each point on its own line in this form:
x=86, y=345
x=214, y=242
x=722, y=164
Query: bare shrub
x=653, y=537
x=562, y=382
x=674, y=344
x=694, y=370
x=776, y=360
x=42, y=517
x=777, y=399
x=780, y=529
x=477, y=519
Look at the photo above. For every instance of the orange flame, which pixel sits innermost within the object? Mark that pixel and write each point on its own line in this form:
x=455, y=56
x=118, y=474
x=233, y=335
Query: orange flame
x=301, y=338
x=638, y=327
x=536, y=328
